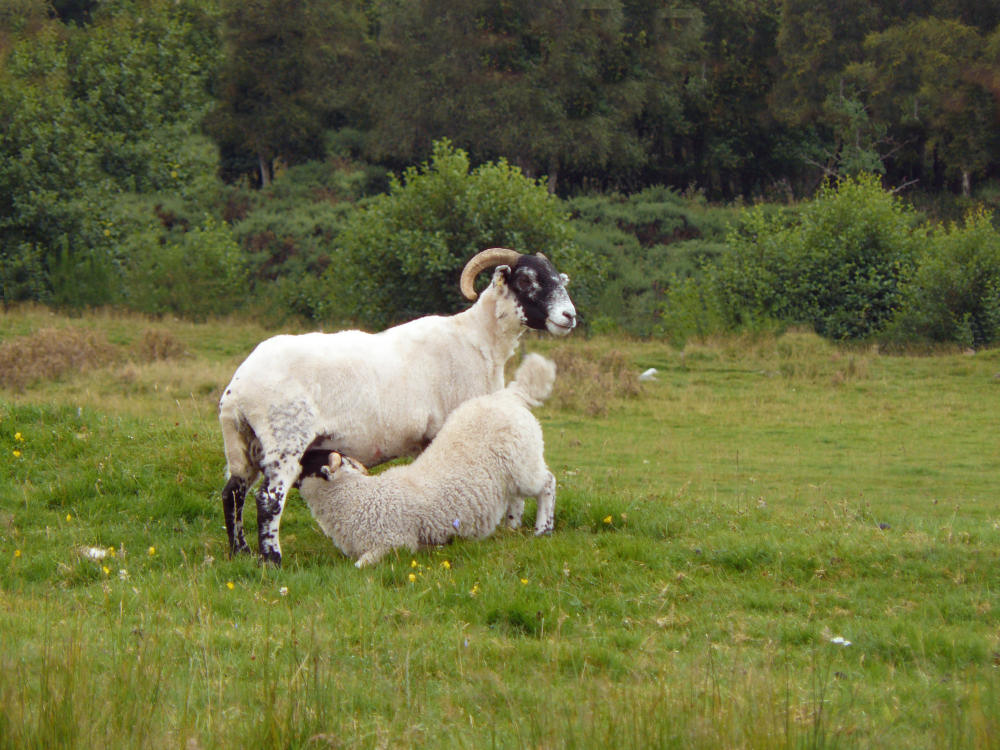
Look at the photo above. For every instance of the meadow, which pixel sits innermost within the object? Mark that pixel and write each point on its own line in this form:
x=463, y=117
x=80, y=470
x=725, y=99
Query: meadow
x=776, y=543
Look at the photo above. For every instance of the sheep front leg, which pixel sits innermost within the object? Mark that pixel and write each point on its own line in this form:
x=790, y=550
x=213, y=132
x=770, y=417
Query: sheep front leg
x=545, y=520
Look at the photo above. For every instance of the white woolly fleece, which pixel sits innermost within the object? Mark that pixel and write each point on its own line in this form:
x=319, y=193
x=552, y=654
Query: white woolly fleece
x=487, y=457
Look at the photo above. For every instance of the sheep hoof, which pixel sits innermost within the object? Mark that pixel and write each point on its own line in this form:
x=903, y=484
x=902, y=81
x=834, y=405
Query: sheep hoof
x=547, y=531
x=271, y=557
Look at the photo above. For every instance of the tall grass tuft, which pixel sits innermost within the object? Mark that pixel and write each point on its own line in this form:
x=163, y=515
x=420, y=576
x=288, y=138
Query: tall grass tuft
x=51, y=353
x=592, y=381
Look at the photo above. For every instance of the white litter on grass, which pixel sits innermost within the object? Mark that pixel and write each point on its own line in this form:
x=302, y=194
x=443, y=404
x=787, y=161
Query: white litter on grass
x=649, y=374
x=840, y=640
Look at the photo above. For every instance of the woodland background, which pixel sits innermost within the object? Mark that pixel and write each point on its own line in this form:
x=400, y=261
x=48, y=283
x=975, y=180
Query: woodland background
x=695, y=166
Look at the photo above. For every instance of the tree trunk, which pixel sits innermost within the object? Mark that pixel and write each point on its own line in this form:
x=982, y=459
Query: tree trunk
x=966, y=183
x=265, y=170
x=553, y=179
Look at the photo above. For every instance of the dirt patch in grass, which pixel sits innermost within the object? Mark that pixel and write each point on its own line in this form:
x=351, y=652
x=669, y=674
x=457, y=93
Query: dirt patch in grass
x=50, y=353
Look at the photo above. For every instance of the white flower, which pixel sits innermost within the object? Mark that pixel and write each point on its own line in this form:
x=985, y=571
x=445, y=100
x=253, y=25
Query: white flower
x=840, y=641
x=94, y=553
x=283, y=591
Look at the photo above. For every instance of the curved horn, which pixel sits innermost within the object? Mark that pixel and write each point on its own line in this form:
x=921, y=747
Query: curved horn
x=489, y=258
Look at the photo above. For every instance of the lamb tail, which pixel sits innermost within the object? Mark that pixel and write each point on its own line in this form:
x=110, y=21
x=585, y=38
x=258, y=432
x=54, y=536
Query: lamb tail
x=534, y=378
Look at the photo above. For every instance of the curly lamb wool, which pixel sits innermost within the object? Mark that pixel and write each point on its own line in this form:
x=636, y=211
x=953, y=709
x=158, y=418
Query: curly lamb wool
x=487, y=457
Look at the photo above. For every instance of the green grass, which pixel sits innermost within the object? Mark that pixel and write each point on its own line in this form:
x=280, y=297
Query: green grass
x=714, y=533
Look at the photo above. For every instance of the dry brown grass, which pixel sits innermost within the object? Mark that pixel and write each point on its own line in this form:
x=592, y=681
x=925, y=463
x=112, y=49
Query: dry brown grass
x=51, y=353
x=591, y=381
x=157, y=344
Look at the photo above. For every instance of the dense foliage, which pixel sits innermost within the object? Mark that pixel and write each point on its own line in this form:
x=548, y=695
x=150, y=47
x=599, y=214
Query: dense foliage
x=954, y=294
x=400, y=254
x=837, y=265
x=198, y=158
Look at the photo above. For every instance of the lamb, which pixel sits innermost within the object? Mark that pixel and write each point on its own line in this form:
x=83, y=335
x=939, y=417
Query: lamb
x=374, y=396
x=488, y=456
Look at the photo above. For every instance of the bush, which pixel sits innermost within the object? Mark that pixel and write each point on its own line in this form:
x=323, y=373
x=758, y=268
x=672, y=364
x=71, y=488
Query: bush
x=401, y=253
x=837, y=265
x=691, y=310
x=647, y=241
x=954, y=294
x=195, y=273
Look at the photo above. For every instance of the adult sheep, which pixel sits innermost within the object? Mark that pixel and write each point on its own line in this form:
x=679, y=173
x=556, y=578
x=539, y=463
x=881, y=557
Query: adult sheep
x=374, y=396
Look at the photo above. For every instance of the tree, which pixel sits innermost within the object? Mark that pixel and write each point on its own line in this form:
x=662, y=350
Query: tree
x=815, y=43
x=555, y=86
x=400, y=256
x=50, y=183
x=727, y=144
x=837, y=265
x=930, y=78
x=280, y=84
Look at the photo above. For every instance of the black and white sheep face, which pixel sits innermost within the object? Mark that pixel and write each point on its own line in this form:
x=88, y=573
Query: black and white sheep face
x=541, y=295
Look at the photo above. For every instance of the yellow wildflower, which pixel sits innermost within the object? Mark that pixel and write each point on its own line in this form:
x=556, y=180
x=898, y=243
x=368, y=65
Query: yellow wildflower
x=524, y=580
x=413, y=563
x=413, y=577
x=17, y=553
x=607, y=519
x=230, y=585
x=69, y=516
x=17, y=454
x=18, y=437
x=106, y=569
x=475, y=590
x=152, y=551
x=446, y=565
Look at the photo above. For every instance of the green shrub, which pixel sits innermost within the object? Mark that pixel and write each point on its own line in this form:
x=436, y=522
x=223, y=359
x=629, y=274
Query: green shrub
x=648, y=241
x=195, y=273
x=837, y=265
x=691, y=310
x=401, y=253
x=954, y=294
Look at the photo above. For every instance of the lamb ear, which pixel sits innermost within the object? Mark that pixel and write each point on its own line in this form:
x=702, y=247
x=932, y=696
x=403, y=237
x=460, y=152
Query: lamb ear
x=333, y=464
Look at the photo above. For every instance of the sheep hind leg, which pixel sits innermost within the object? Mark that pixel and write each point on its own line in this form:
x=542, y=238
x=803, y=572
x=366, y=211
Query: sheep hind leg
x=545, y=517
x=270, y=504
x=280, y=476
x=372, y=556
x=233, y=496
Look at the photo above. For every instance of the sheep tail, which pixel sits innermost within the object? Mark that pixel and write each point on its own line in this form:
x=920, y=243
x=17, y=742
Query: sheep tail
x=534, y=379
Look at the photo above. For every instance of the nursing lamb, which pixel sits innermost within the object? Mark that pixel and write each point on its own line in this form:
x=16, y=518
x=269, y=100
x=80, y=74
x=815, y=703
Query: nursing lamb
x=487, y=458
x=374, y=396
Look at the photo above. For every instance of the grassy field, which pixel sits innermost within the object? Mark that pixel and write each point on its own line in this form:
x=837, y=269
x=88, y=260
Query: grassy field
x=777, y=543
